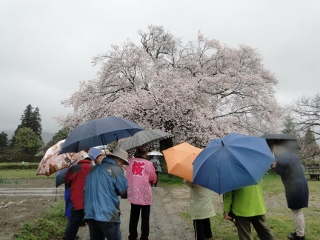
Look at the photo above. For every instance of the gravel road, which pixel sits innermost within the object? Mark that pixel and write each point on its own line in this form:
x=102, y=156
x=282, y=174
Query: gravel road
x=166, y=220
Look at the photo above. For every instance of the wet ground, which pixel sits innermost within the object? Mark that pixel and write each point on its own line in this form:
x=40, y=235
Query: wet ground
x=36, y=192
x=23, y=201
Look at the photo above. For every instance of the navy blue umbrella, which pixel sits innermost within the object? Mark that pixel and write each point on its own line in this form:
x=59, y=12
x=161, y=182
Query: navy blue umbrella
x=60, y=175
x=99, y=132
x=282, y=139
x=232, y=162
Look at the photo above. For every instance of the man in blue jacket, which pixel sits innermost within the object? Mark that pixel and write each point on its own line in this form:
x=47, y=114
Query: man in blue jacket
x=103, y=185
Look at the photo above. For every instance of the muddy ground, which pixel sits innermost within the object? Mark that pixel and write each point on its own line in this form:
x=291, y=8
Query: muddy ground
x=24, y=200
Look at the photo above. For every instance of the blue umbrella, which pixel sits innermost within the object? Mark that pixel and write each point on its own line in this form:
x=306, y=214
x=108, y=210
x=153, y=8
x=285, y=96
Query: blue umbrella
x=60, y=175
x=99, y=132
x=232, y=162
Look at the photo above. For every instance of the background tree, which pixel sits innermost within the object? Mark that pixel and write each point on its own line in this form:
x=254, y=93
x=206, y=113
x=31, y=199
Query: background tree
x=35, y=124
x=197, y=92
x=27, y=142
x=308, y=109
x=289, y=127
x=30, y=119
x=310, y=149
x=4, y=142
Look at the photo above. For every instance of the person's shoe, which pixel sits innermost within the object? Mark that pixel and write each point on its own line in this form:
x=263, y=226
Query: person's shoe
x=293, y=236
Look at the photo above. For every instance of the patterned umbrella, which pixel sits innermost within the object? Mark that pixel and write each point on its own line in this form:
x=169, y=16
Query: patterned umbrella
x=144, y=137
x=52, y=162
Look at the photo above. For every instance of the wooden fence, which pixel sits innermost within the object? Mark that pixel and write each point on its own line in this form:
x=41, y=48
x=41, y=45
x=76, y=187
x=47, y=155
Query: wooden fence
x=313, y=172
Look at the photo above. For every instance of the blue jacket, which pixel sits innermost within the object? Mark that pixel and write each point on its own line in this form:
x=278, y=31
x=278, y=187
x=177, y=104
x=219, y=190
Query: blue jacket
x=103, y=185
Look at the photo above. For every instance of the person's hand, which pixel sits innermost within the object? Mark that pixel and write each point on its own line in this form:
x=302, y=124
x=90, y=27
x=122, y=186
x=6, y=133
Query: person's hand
x=227, y=217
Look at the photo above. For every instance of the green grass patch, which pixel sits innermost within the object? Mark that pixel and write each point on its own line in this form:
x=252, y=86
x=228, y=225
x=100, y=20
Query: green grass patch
x=9, y=181
x=22, y=173
x=48, y=227
x=279, y=216
x=165, y=178
x=18, y=166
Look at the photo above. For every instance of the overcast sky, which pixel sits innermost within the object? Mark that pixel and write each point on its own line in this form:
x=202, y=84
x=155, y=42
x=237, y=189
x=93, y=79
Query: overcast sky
x=46, y=46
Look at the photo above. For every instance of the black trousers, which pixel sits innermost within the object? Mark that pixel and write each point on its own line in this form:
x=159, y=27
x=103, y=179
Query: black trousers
x=202, y=229
x=73, y=224
x=134, y=219
x=258, y=222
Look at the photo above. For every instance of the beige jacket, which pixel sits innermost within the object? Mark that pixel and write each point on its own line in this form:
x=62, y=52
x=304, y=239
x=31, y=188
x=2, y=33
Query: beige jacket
x=201, y=202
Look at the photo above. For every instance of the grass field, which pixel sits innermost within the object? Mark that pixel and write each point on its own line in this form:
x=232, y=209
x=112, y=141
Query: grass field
x=28, y=173
x=279, y=217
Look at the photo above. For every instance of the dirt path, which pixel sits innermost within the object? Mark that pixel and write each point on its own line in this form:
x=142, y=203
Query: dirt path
x=24, y=200
x=166, y=220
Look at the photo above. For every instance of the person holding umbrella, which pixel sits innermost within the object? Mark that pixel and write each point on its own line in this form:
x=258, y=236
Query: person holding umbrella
x=140, y=174
x=201, y=210
x=288, y=166
x=96, y=155
x=156, y=164
x=247, y=206
x=75, y=180
x=103, y=185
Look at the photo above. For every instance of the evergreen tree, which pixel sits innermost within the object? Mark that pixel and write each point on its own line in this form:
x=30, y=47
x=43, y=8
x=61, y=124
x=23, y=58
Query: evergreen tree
x=30, y=119
x=289, y=127
x=3, y=140
x=27, y=117
x=35, y=124
x=311, y=148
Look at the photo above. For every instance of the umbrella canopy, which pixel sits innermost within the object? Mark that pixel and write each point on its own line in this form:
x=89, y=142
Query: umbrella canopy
x=143, y=137
x=155, y=153
x=60, y=175
x=99, y=132
x=232, y=162
x=180, y=158
x=281, y=139
x=52, y=162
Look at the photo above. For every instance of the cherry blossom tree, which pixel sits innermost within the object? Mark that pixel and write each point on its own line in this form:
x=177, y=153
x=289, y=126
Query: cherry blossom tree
x=198, y=91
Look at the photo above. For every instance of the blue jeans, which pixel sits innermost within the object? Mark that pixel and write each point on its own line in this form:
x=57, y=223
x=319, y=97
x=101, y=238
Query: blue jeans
x=73, y=224
x=101, y=230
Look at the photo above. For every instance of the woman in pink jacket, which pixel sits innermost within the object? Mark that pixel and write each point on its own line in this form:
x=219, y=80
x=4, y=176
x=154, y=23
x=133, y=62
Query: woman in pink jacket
x=140, y=175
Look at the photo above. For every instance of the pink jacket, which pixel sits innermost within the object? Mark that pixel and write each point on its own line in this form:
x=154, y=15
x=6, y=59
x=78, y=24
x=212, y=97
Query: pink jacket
x=140, y=175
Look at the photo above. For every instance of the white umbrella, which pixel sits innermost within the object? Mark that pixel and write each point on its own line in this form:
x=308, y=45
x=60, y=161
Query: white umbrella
x=155, y=153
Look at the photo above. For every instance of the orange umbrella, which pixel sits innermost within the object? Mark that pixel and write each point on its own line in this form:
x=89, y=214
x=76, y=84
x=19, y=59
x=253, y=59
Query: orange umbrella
x=180, y=158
